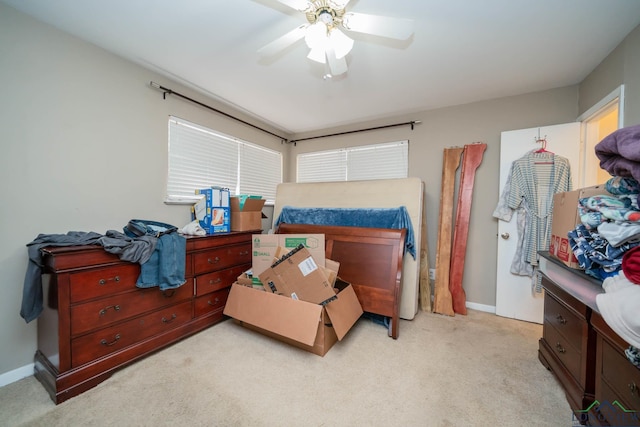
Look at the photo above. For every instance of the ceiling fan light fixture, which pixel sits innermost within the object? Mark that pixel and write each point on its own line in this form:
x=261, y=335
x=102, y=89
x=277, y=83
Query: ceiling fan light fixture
x=316, y=36
x=323, y=34
x=340, y=42
x=317, y=55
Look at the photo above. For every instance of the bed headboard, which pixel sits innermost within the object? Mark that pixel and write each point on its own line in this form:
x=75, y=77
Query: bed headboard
x=382, y=193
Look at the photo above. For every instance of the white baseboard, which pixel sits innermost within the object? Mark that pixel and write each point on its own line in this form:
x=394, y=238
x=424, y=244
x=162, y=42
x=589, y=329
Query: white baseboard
x=16, y=374
x=481, y=307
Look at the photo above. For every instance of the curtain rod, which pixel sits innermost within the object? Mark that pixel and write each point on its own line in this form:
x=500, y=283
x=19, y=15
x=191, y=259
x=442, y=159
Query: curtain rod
x=412, y=123
x=166, y=91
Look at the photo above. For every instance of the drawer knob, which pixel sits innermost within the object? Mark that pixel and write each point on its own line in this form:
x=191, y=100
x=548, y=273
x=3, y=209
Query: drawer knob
x=173, y=317
x=561, y=319
x=214, y=261
x=111, y=279
x=104, y=310
x=560, y=348
x=215, y=282
x=244, y=253
x=633, y=388
x=115, y=340
x=216, y=302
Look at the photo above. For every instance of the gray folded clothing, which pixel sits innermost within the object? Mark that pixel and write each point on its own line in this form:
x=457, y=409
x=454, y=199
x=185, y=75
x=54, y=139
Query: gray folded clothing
x=620, y=233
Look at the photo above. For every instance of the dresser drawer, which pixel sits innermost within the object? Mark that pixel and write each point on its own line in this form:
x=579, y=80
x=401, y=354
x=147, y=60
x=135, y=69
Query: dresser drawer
x=103, y=281
x=106, y=311
x=615, y=415
x=218, y=279
x=564, y=320
x=211, y=302
x=621, y=375
x=568, y=355
x=86, y=348
x=220, y=258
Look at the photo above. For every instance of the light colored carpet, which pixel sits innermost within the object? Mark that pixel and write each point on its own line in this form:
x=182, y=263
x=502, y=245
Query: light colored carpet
x=474, y=370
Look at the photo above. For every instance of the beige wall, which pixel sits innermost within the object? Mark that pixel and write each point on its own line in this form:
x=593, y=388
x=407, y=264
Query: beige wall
x=84, y=143
x=622, y=66
x=84, y=148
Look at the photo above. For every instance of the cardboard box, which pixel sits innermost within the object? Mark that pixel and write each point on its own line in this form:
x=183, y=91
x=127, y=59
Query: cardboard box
x=308, y=326
x=298, y=276
x=566, y=218
x=247, y=279
x=217, y=218
x=246, y=213
x=265, y=247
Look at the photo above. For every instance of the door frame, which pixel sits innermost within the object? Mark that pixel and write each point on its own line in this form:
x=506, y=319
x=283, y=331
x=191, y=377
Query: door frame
x=587, y=140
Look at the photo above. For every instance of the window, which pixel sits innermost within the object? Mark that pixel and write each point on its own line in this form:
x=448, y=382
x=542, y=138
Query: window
x=201, y=158
x=379, y=161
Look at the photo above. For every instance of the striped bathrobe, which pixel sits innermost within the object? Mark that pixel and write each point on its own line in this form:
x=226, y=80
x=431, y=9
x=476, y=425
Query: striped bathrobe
x=535, y=178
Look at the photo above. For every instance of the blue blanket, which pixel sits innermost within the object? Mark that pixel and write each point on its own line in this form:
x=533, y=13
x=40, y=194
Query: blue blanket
x=353, y=217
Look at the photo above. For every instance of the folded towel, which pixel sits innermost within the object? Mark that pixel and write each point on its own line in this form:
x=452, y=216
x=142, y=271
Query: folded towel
x=619, y=152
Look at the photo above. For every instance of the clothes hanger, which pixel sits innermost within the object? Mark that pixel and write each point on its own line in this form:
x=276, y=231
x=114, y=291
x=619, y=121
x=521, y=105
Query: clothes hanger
x=543, y=144
x=542, y=149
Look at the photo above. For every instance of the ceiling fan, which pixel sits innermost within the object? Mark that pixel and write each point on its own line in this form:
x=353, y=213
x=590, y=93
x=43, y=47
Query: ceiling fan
x=323, y=31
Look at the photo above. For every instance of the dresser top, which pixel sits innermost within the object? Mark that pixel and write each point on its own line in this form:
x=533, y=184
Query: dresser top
x=576, y=283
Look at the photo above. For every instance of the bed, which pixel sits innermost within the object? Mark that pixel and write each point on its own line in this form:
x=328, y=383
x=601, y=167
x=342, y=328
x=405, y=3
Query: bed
x=370, y=259
x=382, y=193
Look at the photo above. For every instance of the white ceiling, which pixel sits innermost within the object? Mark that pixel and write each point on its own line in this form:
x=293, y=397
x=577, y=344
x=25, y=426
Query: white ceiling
x=462, y=51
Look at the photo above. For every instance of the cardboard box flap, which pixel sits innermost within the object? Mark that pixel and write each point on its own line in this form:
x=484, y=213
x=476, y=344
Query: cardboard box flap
x=297, y=276
x=265, y=246
x=250, y=204
x=297, y=320
x=344, y=311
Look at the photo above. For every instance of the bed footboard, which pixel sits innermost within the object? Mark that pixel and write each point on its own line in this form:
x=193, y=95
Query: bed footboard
x=370, y=259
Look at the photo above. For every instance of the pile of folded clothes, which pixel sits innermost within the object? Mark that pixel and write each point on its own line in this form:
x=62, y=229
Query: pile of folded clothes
x=610, y=224
x=612, y=250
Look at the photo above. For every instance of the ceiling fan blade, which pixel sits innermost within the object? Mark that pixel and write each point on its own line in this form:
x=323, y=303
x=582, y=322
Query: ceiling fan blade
x=383, y=26
x=300, y=5
x=283, y=42
x=336, y=65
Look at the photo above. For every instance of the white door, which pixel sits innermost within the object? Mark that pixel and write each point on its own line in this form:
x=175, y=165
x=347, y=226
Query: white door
x=515, y=297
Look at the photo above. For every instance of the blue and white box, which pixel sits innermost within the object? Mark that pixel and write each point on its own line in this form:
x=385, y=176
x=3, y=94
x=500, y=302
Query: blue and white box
x=217, y=217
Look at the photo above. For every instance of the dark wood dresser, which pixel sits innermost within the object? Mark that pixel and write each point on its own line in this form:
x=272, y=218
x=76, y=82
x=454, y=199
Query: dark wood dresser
x=617, y=380
x=96, y=320
x=583, y=353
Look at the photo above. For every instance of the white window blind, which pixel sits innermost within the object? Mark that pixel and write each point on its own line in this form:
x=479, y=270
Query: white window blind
x=322, y=166
x=379, y=161
x=201, y=158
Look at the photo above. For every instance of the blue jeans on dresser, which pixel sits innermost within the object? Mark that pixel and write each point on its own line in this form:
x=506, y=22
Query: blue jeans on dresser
x=166, y=267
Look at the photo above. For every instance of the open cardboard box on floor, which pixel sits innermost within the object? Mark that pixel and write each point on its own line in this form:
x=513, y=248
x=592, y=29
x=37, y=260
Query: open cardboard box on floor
x=311, y=327
x=301, y=303
x=566, y=218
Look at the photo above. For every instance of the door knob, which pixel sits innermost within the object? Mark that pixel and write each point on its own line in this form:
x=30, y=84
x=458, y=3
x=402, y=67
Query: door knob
x=505, y=236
